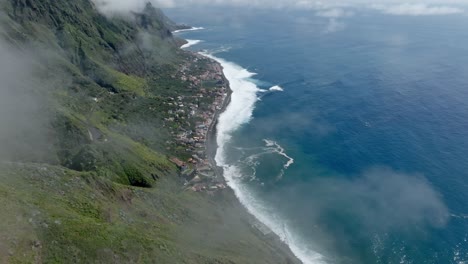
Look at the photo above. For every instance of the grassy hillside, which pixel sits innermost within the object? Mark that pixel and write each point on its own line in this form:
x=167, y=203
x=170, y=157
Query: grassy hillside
x=84, y=169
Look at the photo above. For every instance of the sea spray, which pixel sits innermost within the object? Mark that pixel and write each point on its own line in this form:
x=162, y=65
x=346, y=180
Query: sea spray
x=271, y=148
x=188, y=29
x=190, y=42
x=274, y=147
x=280, y=150
x=238, y=113
x=276, y=88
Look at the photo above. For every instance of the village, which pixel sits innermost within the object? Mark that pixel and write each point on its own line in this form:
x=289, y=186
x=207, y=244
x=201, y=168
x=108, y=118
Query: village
x=210, y=94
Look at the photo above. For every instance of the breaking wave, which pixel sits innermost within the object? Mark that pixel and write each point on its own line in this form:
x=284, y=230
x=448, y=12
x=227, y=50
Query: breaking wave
x=276, y=88
x=276, y=148
x=190, y=42
x=252, y=161
x=188, y=29
x=239, y=112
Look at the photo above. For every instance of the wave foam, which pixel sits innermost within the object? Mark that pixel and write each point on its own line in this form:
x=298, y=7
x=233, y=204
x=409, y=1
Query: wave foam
x=276, y=148
x=279, y=150
x=188, y=29
x=190, y=42
x=238, y=113
x=276, y=88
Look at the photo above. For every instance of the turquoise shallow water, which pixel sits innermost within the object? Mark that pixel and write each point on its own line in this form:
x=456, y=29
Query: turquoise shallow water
x=361, y=158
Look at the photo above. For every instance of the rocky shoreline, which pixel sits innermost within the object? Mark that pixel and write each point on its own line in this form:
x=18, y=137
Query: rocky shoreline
x=215, y=185
x=258, y=227
x=200, y=170
x=211, y=144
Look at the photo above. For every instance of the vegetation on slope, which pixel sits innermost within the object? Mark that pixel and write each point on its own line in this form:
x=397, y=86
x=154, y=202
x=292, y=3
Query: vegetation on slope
x=86, y=177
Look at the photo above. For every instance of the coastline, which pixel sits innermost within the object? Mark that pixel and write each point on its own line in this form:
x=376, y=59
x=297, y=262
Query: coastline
x=211, y=147
x=217, y=188
x=238, y=112
x=211, y=144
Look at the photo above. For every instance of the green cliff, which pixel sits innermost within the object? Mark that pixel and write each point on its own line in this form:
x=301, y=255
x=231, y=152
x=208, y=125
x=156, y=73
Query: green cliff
x=85, y=143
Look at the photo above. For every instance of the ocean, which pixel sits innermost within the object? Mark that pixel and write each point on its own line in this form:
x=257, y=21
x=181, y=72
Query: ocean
x=347, y=136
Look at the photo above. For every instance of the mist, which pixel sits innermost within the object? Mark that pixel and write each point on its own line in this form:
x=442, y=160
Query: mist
x=392, y=7
x=24, y=121
x=382, y=199
x=377, y=202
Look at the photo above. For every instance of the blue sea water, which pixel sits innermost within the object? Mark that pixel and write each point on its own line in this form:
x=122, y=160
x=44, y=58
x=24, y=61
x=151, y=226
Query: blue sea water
x=350, y=141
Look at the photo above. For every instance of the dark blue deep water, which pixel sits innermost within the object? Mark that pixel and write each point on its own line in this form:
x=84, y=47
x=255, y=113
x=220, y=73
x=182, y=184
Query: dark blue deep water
x=374, y=113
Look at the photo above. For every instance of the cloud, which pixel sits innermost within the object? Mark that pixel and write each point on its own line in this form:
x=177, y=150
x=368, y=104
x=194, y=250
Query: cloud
x=123, y=7
x=24, y=122
x=418, y=9
x=378, y=201
x=392, y=199
x=293, y=122
x=324, y=8
x=335, y=13
x=334, y=25
x=119, y=6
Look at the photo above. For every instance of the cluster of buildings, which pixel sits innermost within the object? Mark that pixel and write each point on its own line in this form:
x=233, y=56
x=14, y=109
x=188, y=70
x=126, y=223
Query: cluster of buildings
x=194, y=74
x=198, y=170
x=199, y=177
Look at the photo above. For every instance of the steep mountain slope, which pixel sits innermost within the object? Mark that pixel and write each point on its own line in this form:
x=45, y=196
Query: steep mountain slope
x=84, y=145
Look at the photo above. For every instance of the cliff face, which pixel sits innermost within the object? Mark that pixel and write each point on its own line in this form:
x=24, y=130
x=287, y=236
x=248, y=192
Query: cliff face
x=84, y=144
x=99, y=75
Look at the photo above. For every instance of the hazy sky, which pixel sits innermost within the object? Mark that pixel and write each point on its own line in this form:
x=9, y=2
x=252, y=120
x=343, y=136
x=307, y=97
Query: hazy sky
x=395, y=7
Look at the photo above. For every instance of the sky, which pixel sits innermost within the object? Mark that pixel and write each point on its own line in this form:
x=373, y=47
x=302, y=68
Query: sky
x=391, y=7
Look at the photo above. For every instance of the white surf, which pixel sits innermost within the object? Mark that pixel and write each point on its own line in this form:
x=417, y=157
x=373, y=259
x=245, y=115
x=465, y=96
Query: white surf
x=238, y=113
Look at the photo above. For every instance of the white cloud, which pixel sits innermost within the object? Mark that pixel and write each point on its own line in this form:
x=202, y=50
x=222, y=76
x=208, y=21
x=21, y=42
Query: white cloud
x=418, y=9
x=334, y=25
x=125, y=6
x=325, y=8
x=335, y=13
